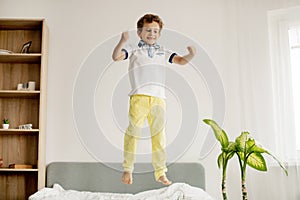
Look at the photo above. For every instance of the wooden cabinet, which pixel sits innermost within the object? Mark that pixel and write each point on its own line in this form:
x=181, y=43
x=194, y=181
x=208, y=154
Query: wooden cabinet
x=22, y=146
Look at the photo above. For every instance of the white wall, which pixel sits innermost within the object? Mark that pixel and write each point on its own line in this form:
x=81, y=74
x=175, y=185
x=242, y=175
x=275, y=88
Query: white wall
x=221, y=27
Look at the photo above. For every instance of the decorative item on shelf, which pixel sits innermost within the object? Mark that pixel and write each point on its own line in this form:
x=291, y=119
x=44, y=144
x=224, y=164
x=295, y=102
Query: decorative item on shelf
x=20, y=166
x=5, y=124
x=20, y=86
x=26, y=46
x=1, y=162
x=26, y=126
x=29, y=86
x=4, y=51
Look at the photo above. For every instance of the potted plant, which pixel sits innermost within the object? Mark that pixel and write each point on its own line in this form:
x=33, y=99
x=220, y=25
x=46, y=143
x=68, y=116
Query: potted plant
x=5, y=124
x=248, y=153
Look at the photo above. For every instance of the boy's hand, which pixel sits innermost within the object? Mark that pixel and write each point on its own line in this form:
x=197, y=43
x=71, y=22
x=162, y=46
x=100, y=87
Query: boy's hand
x=192, y=50
x=118, y=54
x=182, y=60
x=124, y=36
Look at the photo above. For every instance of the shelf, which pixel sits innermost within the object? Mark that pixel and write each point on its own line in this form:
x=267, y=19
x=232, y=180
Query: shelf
x=20, y=58
x=18, y=131
x=20, y=24
x=17, y=170
x=19, y=93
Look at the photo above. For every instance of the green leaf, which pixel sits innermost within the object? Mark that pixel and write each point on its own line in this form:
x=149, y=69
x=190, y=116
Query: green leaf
x=258, y=149
x=220, y=160
x=220, y=134
x=230, y=148
x=250, y=144
x=257, y=161
x=230, y=155
x=241, y=155
x=279, y=163
x=241, y=142
x=223, y=158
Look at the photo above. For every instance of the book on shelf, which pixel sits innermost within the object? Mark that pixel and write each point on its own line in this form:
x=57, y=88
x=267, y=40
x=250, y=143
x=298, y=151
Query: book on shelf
x=20, y=166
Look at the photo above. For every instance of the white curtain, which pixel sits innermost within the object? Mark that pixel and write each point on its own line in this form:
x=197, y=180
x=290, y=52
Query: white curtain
x=279, y=24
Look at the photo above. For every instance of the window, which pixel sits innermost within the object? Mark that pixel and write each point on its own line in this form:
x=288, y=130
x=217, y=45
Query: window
x=284, y=40
x=294, y=44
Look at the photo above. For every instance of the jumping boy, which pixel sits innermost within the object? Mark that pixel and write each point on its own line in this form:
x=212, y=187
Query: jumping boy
x=147, y=63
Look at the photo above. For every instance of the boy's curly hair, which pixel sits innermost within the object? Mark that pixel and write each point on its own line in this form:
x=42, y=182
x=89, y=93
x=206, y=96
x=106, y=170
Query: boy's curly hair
x=149, y=18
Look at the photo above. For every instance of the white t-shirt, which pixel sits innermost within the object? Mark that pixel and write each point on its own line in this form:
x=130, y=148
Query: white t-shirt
x=147, y=75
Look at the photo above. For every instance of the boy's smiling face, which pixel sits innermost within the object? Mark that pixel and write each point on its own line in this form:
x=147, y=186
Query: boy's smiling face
x=150, y=32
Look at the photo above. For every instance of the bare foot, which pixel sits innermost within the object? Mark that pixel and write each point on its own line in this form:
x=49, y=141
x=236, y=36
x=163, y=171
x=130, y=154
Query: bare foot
x=164, y=180
x=127, y=178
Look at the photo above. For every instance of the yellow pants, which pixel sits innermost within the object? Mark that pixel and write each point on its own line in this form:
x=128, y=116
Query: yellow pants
x=152, y=108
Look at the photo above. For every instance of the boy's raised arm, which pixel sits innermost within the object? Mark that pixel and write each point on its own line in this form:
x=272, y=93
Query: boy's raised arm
x=118, y=54
x=182, y=60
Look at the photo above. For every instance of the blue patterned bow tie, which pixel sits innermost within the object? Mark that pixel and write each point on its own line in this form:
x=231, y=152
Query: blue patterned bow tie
x=151, y=48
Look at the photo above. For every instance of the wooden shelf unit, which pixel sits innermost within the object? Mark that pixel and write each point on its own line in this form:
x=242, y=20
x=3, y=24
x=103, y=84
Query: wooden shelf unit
x=21, y=146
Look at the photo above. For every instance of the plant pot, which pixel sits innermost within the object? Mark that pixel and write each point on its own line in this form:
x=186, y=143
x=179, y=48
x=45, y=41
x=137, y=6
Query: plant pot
x=5, y=126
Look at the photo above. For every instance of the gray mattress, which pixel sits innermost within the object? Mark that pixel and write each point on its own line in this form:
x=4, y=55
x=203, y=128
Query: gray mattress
x=98, y=177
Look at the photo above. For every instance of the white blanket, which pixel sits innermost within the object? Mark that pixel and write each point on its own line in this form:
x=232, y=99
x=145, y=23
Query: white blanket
x=176, y=191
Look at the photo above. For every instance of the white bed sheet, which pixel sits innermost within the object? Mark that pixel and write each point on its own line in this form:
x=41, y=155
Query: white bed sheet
x=176, y=191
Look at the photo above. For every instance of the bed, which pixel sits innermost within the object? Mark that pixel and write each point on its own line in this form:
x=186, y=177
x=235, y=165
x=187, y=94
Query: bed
x=105, y=178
